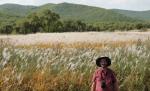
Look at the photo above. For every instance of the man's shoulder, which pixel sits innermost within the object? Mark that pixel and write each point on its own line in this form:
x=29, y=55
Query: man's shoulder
x=111, y=71
x=99, y=69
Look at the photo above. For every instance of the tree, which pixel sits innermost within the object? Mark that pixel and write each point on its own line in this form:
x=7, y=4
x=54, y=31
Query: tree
x=6, y=29
x=49, y=20
x=34, y=23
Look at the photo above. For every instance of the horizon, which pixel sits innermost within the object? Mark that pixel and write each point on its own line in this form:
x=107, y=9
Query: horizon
x=134, y=5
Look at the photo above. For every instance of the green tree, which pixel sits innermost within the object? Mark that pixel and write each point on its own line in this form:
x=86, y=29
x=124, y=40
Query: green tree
x=49, y=20
x=6, y=29
x=34, y=23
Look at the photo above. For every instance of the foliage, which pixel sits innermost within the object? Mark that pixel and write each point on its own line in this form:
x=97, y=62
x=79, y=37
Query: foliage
x=142, y=15
x=65, y=17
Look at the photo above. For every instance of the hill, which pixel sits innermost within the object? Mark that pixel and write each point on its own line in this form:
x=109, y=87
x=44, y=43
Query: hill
x=16, y=10
x=143, y=15
x=89, y=14
x=11, y=12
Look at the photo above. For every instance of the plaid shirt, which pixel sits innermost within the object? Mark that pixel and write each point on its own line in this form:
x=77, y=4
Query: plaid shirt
x=104, y=75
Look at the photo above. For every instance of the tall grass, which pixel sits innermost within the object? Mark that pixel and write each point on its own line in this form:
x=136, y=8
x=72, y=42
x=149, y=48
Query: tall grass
x=57, y=68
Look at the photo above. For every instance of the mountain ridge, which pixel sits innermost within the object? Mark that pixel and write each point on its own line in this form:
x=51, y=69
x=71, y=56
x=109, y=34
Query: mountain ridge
x=71, y=11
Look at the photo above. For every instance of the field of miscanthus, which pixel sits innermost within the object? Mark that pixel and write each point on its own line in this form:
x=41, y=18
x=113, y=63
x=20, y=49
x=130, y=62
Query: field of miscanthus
x=69, y=67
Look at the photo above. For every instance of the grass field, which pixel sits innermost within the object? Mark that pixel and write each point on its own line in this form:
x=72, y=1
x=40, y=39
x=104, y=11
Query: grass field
x=68, y=66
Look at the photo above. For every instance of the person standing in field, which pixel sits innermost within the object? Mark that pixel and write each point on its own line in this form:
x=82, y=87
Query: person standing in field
x=104, y=78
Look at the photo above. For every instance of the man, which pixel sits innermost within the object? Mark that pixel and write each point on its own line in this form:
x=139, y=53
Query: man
x=104, y=78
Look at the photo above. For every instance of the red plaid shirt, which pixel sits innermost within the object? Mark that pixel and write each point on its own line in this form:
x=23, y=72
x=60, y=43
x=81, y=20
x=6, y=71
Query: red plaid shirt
x=107, y=75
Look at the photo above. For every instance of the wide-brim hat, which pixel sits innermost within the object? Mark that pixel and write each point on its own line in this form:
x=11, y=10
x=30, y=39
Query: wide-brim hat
x=98, y=60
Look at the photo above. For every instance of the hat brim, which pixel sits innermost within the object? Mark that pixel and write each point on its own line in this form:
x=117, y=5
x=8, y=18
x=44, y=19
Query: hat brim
x=98, y=60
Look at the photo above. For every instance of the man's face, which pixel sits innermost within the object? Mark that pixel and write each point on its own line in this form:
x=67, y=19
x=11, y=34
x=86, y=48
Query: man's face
x=103, y=63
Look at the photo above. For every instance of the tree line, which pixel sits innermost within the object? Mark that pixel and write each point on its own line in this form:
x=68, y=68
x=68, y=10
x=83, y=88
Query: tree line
x=48, y=21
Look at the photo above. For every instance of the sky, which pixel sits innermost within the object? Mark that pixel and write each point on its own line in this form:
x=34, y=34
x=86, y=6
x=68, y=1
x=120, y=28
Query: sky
x=137, y=5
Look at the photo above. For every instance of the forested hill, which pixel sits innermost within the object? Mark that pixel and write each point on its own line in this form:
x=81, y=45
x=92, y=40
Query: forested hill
x=143, y=15
x=12, y=12
x=88, y=13
x=66, y=17
x=70, y=11
x=16, y=10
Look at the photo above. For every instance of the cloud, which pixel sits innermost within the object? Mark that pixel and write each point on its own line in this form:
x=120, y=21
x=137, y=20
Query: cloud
x=24, y=2
x=134, y=5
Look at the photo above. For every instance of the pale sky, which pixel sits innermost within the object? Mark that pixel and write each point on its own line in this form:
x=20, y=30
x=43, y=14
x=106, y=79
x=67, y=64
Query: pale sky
x=138, y=5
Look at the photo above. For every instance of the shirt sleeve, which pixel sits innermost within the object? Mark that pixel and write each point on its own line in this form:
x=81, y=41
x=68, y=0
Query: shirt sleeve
x=94, y=76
